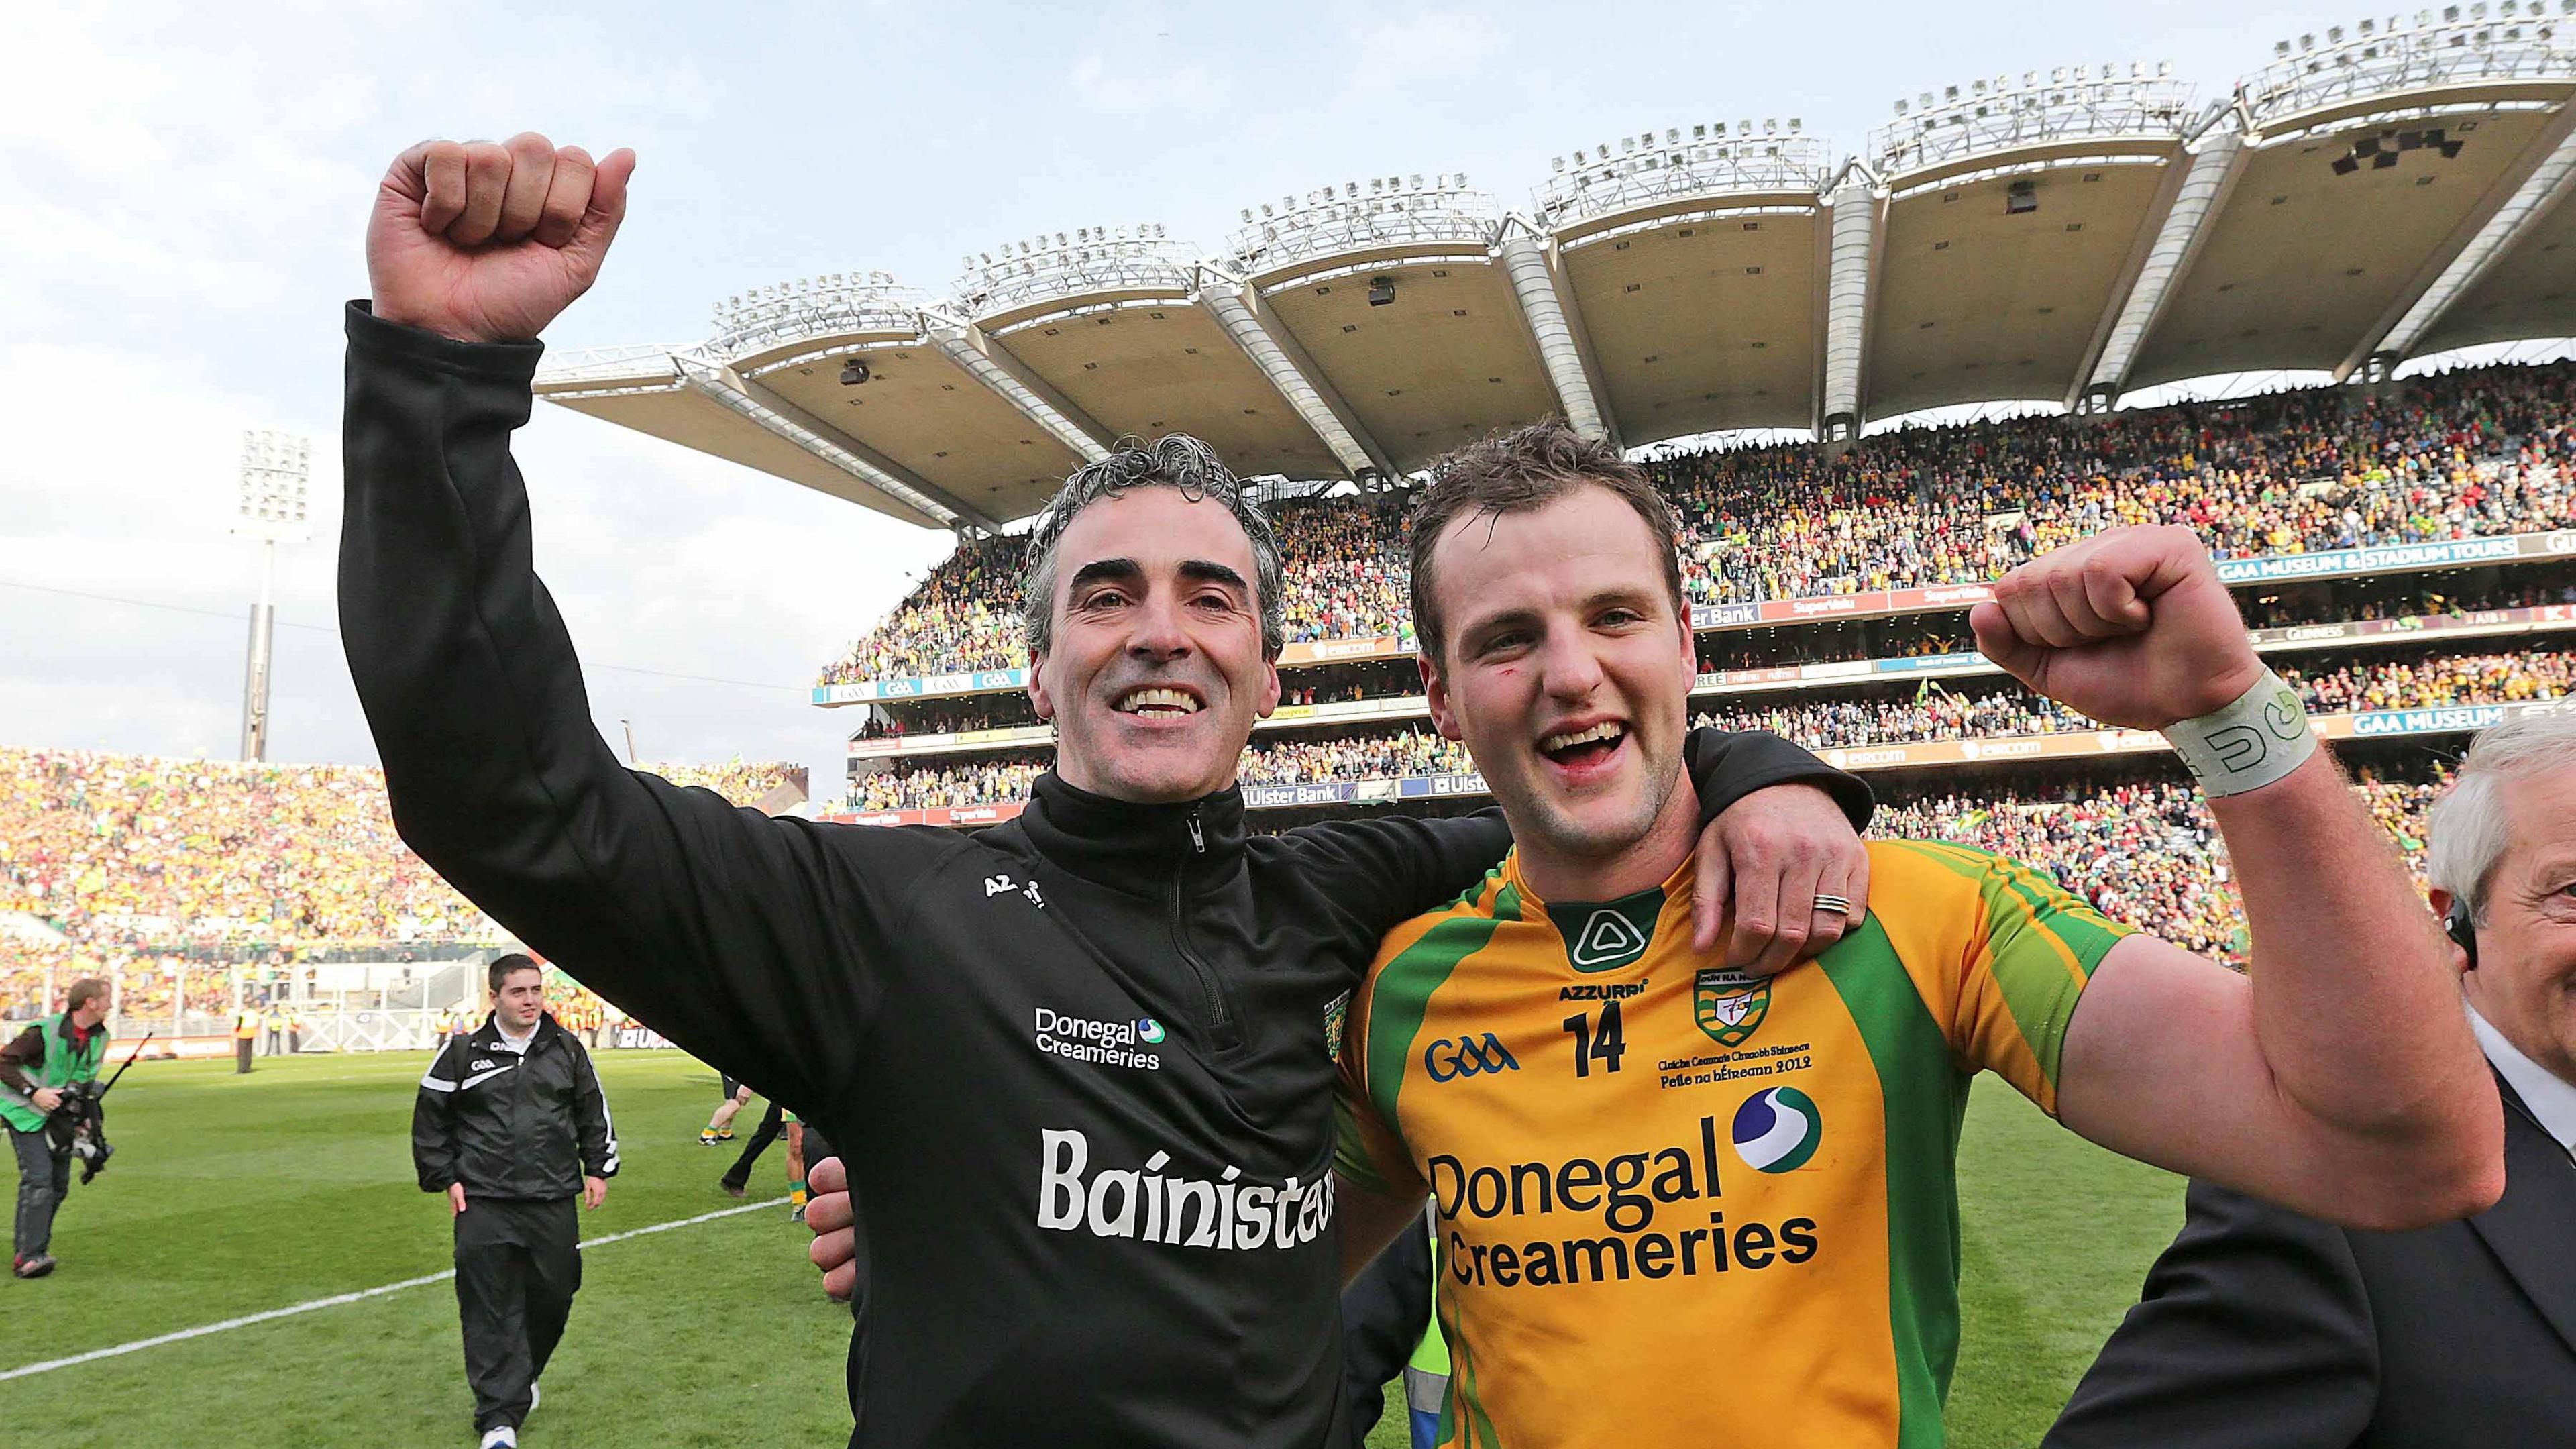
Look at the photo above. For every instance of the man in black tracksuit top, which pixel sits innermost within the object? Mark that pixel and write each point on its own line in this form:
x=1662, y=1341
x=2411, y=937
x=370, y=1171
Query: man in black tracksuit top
x=1076, y=1065
x=512, y=1126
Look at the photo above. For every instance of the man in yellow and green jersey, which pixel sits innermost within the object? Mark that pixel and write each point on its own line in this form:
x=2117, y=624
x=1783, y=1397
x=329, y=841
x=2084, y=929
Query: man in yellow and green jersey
x=1678, y=1202
x=1631, y=1144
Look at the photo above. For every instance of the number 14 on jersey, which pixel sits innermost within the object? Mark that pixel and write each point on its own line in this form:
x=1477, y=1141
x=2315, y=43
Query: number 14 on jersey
x=1597, y=1038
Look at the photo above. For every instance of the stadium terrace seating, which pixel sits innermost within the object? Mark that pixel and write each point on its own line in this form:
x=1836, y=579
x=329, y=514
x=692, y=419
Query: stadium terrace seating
x=2145, y=853
x=198, y=865
x=1935, y=713
x=2469, y=453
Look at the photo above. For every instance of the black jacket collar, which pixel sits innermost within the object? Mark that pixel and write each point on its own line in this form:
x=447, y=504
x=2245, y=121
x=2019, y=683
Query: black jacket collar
x=1130, y=846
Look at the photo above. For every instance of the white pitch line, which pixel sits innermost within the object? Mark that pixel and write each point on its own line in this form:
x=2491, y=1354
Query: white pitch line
x=336, y=1299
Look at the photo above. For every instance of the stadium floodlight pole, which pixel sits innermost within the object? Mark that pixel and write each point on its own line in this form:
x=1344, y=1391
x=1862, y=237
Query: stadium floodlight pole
x=274, y=470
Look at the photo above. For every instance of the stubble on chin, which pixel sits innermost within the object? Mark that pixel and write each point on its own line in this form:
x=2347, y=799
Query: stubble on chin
x=1569, y=834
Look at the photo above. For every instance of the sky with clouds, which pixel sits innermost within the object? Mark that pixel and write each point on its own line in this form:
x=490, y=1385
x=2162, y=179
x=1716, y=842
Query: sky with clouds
x=183, y=191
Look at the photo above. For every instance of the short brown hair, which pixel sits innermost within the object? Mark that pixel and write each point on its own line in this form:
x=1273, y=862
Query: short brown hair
x=83, y=992
x=1516, y=472
x=504, y=967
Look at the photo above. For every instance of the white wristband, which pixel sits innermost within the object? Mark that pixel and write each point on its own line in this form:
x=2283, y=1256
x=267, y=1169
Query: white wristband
x=2263, y=736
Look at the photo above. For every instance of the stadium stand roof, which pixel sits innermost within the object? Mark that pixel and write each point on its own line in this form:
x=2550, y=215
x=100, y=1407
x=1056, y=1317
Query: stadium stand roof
x=2398, y=188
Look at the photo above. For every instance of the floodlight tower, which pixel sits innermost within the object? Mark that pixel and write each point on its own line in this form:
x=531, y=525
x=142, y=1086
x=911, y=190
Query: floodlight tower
x=274, y=469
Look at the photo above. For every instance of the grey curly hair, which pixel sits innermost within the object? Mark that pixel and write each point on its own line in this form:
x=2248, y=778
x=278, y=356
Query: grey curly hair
x=2469, y=829
x=1175, y=460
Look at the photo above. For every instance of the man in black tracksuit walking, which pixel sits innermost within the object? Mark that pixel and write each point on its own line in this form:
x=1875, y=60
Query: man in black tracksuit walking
x=1077, y=1065
x=512, y=1126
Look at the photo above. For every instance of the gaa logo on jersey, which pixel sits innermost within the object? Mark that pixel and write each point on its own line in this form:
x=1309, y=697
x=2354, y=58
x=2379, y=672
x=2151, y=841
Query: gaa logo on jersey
x=1148, y=1030
x=1777, y=1130
x=1729, y=1005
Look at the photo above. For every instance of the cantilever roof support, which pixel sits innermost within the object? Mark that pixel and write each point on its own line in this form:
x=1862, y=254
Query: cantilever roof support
x=962, y=343
x=2538, y=192
x=1297, y=380
x=1560, y=347
x=1851, y=274
x=2217, y=158
x=767, y=408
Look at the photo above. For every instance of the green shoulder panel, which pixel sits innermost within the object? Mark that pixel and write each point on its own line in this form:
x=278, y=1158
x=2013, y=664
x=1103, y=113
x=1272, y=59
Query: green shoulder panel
x=1402, y=997
x=1924, y=1099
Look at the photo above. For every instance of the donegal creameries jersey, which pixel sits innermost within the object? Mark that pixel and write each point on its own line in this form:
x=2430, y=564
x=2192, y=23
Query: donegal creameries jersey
x=1677, y=1205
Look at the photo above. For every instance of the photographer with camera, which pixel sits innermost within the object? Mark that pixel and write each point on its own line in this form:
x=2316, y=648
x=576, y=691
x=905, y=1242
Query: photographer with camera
x=51, y=1054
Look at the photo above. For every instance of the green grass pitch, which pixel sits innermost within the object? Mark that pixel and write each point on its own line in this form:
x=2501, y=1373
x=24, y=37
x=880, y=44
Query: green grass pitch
x=234, y=1195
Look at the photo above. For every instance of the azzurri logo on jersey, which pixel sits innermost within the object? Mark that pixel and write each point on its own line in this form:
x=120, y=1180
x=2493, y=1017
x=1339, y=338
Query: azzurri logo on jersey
x=1777, y=1129
x=1448, y=1059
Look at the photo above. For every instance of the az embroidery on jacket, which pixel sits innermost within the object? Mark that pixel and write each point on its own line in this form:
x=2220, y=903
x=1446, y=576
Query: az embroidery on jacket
x=995, y=885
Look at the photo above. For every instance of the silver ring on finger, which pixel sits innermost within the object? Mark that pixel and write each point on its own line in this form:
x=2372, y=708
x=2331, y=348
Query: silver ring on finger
x=1832, y=904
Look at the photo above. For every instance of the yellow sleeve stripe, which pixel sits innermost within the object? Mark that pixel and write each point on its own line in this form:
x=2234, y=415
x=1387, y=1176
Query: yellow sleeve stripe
x=2031, y=952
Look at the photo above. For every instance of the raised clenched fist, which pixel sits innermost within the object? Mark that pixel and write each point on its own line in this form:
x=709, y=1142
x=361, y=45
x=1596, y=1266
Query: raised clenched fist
x=2130, y=626
x=488, y=242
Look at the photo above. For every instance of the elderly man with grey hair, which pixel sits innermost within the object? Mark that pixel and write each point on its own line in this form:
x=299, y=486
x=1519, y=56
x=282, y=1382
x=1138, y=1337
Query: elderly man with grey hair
x=1079, y=1066
x=2261, y=1327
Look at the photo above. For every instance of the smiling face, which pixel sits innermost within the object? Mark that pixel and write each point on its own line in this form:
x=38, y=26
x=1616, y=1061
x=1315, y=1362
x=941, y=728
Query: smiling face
x=1566, y=668
x=1155, y=671
x=2525, y=981
x=521, y=999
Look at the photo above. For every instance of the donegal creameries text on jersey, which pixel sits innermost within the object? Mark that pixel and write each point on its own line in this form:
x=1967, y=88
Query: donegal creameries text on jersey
x=1680, y=1205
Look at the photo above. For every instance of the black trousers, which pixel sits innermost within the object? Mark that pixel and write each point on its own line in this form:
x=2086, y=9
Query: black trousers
x=772, y=1123
x=44, y=1176
x=517, y=1266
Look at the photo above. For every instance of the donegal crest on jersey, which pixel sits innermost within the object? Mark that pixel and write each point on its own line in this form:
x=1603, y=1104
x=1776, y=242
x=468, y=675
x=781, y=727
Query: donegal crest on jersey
x=1729, y=1005
x=1643, y=1164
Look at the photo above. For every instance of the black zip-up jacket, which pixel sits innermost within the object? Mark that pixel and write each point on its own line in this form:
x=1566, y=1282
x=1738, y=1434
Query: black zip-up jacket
x=1075, y=1064
x=512, y=1126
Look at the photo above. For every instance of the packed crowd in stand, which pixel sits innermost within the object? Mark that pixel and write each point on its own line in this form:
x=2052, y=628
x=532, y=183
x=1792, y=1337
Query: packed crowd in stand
x=1343, y=571
x=200, y=867
x=960, y=618
x=740, y=781
x=2466, y=454
x=1942, y=714
x=2397, y=596
x=1931, y=712
x=1307, y=761
x=2475, y=452
x=2144, y=852
x=2443, y=680
x=922, y=787
x=1738, y=649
